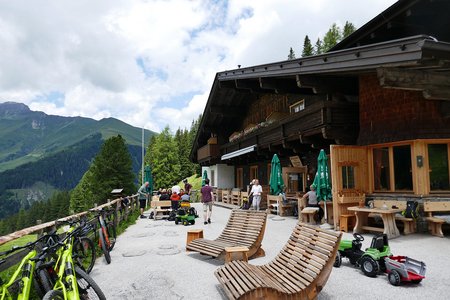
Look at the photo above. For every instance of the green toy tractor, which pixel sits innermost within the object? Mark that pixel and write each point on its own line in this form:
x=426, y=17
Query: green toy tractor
x=186, y=216
x=370, y=261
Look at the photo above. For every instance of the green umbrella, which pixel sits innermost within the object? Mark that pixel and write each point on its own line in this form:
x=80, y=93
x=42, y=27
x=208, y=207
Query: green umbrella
x=322, y=180
x=204, y=177
x=148, y=178
x=276, y=179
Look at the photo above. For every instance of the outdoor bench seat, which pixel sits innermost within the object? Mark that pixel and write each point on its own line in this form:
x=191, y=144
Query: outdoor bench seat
x=299, y=271
x=244, y=228
x=409, y=224
x=161, y=208
x=435, y=223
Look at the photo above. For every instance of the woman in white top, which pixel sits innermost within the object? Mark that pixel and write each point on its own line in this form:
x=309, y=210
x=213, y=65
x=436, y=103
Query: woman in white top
x=256, y=192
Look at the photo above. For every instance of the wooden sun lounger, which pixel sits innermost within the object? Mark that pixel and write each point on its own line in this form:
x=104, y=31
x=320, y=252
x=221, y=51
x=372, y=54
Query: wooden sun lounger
x=300, y=270
x=244, y=228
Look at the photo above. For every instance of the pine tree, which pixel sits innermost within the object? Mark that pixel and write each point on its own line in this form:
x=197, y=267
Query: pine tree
x=318, y=47
x=308, y=49
x=111, y=168
x=348, y=29
x=164, y=160
x=331, y=38
x=291, y=54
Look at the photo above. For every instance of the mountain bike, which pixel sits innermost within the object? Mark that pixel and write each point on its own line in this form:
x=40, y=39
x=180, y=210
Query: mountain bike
x=83, y=252
x=19, y=284
x=106, y=232
x=69, y=280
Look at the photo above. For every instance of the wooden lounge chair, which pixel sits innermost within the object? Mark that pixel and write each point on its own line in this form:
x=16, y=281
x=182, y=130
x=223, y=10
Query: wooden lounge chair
x=299, y=271
x=244, y=228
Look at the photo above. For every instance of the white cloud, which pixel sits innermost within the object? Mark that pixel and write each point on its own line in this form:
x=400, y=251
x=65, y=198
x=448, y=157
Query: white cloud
x=88, y=51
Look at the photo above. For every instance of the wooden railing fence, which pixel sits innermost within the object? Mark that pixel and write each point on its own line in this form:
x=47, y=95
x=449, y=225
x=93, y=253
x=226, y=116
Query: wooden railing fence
x=120, y=213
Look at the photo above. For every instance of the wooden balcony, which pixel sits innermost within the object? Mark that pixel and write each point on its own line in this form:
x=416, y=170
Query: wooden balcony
x=208, y=152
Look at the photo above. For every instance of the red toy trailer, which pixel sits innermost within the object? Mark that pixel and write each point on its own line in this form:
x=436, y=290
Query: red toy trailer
x=404, y=269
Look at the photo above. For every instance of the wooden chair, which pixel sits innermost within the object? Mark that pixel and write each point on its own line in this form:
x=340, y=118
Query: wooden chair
x=236, y=197
x=299, y=271
x=244, y=228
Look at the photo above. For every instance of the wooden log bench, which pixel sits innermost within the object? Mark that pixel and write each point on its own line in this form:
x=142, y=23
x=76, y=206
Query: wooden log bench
x=409, y=224
x=161, y=208
x=431, y=209
x=299, y=271
x=244, y=228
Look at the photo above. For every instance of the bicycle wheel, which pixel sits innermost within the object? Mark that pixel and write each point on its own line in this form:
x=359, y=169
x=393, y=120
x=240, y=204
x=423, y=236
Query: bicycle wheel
x=83, y=253
x=87, y=287
x=111, y=229
x=43, y=281
x=53, y=295
x=103, y=245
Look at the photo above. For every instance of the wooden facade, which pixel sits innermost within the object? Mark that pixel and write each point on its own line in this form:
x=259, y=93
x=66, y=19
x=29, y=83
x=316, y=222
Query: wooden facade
x=380, y=109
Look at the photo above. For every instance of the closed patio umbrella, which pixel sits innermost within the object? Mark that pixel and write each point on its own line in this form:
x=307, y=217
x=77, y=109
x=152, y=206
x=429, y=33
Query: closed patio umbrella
x=322, y=181
x=276, y=179
x=204, y=177
x=148, y=178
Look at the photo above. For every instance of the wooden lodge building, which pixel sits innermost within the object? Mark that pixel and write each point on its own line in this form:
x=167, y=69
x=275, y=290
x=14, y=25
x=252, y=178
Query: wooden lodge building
x=378, y=103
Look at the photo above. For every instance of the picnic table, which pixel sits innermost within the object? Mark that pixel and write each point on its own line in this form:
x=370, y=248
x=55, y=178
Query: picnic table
x=387, y=215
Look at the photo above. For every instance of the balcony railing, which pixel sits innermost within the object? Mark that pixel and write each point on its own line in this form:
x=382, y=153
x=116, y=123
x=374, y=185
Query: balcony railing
x=208, y=152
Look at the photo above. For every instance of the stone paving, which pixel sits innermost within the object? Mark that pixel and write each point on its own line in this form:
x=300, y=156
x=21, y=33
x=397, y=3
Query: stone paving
x=149, y=261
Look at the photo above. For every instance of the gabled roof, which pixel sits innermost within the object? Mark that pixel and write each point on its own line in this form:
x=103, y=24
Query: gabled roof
x=379, y=45
x=402, y=19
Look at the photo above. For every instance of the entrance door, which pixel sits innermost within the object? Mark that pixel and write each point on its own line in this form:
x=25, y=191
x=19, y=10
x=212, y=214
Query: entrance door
x=349, y=177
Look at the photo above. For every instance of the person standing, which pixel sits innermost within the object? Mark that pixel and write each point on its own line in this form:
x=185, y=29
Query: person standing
x=187, y=187
x=207, y=200
x=256, y=193
x=143, y=196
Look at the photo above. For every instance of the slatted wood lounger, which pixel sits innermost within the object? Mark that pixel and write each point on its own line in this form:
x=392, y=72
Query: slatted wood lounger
x=244, y=228
x=300, y=270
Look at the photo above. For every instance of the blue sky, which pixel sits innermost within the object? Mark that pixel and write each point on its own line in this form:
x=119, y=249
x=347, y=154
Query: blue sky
x=152, y=62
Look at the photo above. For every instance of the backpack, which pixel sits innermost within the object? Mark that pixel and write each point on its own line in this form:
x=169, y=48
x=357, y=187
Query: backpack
x=412, y=209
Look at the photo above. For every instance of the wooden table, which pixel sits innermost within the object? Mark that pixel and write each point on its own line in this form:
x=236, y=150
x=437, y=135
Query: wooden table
x=238, y=249
x=388, y=216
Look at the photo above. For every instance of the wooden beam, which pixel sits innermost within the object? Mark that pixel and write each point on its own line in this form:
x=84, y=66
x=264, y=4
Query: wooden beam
x=437, y=94
x=283, y=86
x=434, y=85
x=322, y=85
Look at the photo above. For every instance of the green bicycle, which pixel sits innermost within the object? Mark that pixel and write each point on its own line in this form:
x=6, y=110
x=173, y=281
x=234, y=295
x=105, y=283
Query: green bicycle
x=20, y=283
x=69, y=280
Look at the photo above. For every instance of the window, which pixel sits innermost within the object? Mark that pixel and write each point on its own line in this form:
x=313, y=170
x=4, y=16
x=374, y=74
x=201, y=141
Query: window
x=438, y=163
x=212, y=178
x=392, y=168
x=381, y=169
x=240, y=178
x=269, y=170
x=297, y=106
x=254, y=172
x=348, y=177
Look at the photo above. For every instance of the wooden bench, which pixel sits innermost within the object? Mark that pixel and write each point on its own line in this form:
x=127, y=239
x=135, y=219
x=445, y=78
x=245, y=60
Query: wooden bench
x=226, y=196
x=235, y=197
x=409, y=224
x=299, y=271
x=275, y=205
x=434, y=223
x=244, y=228
x=161, y=208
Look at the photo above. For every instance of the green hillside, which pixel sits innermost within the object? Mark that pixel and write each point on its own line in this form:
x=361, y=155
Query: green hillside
x=27, y=136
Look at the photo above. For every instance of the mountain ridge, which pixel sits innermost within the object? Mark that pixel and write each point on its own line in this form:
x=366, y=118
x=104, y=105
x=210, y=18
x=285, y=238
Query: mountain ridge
x=27, y=136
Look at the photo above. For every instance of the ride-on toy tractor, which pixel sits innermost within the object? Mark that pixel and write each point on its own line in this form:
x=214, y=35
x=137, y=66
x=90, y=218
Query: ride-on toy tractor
x=186, y=216
x=370, y=261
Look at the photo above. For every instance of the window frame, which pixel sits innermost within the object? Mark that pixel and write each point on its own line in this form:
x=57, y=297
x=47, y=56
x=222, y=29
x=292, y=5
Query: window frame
x=390, y=148
x=427, y=164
